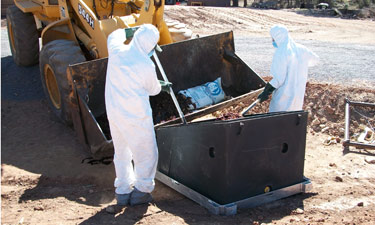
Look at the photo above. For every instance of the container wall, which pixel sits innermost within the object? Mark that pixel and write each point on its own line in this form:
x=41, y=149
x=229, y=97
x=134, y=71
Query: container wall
x=228, y=161
x=197, y=61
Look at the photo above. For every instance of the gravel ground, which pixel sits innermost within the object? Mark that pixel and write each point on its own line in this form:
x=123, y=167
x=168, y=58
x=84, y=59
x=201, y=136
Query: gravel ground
x=345, y=64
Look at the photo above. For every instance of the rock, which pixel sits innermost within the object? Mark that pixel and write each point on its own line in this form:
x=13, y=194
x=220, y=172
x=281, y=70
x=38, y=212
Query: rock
x=38, y=208
x=315, y=122
x=332, y=165
x=299, y=211
x=294, y=220
x=110, y=209
x=320, y=112
x=114, y=209
x=360, y=204
x=320, y=220
x=337, y=12
x=338, y=179
x=330, y=110
x=330, y=141
x=91, y=191
x=255, y=223
x=370, y=160
x=21, y=220
x=325, y=129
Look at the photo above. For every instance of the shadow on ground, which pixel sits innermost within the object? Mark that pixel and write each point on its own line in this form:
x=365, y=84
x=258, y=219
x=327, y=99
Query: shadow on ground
x=192, y=213
x=33, y=139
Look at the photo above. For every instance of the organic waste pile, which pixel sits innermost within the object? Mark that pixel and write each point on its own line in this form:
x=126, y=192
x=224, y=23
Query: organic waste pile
x=163, y=108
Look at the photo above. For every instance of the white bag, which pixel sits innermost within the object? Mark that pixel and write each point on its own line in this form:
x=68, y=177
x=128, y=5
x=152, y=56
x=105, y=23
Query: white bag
x=215, y=90
x=204, y=95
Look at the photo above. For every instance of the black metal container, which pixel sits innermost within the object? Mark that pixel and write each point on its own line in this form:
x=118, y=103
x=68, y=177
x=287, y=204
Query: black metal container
x=225, y=161
x=228, y=161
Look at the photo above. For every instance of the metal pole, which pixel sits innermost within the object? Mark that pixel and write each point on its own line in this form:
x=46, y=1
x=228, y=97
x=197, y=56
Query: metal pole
x=347, y=119
x=250, y=107
x=170, y=89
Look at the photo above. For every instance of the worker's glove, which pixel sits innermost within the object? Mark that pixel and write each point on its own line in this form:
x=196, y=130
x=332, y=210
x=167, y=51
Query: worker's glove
x=129, y=32
x=268, y=89
x=165, y=86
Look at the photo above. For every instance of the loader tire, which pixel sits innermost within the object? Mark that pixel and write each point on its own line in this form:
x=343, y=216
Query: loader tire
x=23, y=37
x=54, y=59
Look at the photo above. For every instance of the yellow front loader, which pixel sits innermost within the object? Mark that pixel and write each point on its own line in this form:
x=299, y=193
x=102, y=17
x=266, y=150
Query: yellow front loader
x=74, y=31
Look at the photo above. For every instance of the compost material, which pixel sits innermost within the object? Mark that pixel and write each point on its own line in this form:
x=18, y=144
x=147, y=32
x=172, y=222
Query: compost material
x=163, y=108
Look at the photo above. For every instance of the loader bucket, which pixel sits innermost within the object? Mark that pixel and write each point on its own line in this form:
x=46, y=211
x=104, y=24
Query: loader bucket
x=187, y=64
x=88, y=106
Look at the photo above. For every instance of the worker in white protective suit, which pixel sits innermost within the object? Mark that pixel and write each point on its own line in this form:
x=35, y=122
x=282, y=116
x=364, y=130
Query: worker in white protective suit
x=289, y=71
x=131, y=79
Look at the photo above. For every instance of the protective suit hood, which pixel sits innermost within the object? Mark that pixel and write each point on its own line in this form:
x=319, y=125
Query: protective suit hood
x=145, y=38
x=280, y=34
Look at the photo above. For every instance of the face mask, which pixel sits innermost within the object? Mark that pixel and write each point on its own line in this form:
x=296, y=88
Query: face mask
x=274, y=44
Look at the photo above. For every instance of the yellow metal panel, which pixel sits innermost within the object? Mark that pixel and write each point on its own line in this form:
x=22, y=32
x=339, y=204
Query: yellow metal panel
x=91, y=26
x=28, y=6
x=51, y=11
x=61, y=29
x=63, y=9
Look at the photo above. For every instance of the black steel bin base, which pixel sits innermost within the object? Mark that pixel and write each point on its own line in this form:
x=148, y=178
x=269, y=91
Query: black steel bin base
x=228, y=161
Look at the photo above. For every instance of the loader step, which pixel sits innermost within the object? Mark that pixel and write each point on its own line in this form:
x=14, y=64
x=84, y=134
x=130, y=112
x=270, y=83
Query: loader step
x=28, y=6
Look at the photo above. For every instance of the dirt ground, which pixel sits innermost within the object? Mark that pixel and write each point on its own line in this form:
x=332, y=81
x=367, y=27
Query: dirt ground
x=44, y=182
x=256, y=22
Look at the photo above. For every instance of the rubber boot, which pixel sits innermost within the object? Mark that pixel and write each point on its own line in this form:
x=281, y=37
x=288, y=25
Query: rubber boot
x=138, y=197
x=122, y=199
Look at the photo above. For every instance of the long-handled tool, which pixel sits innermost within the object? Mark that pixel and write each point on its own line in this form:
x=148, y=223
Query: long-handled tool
x=250, y=107
x=170, y=88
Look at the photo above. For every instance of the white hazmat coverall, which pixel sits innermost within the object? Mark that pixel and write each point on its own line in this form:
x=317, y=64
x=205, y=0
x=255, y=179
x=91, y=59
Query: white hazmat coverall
x=289, y=70
x=131, y=79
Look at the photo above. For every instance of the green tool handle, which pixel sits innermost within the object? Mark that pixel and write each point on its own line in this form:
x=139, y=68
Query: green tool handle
x=170, y=89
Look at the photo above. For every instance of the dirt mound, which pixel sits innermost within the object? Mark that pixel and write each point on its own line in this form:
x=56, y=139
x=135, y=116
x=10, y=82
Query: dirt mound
x=325, y=104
